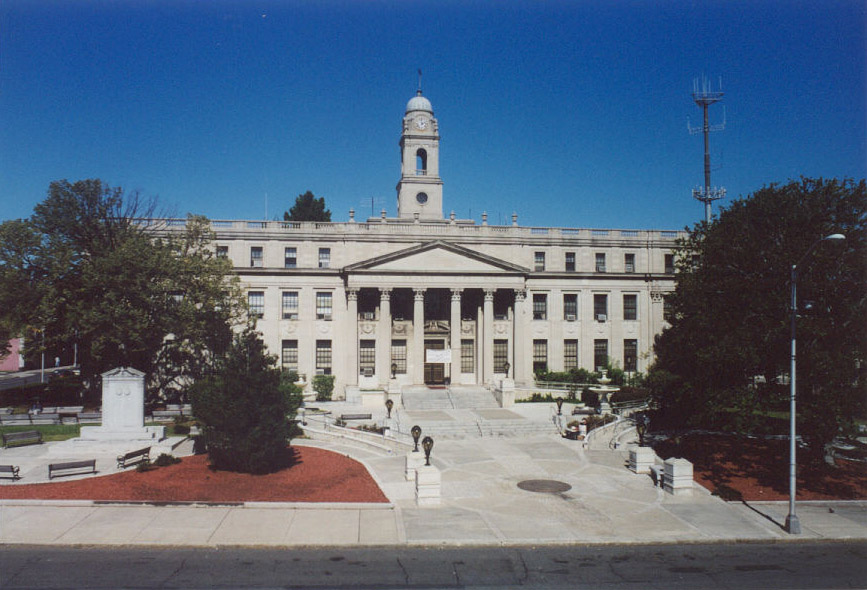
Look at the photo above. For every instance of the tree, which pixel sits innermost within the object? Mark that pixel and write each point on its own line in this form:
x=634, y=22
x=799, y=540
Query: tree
x=308, y=208
x=245, y=408
x=728, y=344
x=91, y=267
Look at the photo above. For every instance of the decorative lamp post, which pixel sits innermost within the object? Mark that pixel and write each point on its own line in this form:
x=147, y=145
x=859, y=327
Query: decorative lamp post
x=393, y=370
x=389, y=404
x=793, y=525
x=560, y=406
x=427, y=445
x=641, y=429
x=416, y=434
x=506, y=367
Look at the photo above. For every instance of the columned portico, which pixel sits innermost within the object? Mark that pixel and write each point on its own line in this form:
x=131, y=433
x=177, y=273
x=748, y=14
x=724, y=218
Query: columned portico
x=418, y=336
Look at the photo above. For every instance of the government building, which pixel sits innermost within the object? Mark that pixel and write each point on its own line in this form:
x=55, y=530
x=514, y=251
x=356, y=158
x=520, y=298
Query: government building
x=426, y=298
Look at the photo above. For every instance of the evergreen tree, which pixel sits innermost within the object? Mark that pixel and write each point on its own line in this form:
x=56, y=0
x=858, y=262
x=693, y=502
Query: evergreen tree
x=308, y=208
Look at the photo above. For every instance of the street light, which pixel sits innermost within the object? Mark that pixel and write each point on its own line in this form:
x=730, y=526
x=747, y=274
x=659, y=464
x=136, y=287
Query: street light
x=793, y=525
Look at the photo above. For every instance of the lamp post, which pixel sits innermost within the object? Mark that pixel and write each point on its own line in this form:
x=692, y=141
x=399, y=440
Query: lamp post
x=506, y=367
x=389, y=404
x=416, y=433
x=427, y=445
x=793, y=525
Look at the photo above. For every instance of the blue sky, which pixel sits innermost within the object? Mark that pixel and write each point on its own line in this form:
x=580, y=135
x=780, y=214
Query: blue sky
x=568, y=113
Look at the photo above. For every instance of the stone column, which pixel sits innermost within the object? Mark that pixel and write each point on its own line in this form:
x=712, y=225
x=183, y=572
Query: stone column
x=352, y=332
x=418, y=336
x=383, y=338
x=455, y=326
x=488, y=322
x=519, y=362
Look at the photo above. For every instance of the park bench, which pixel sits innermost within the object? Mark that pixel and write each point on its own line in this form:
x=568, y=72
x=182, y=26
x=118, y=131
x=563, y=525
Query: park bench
x=165, y=415
x=28, y=437
x=133, y=457
x=346, y=417
x=13, y=419
x=45, y=418
x=76, y=466
x=89, y=417
x=11, y=470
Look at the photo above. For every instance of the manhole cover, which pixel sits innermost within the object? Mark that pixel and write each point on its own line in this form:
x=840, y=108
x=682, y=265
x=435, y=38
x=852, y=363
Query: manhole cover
x=544, y=486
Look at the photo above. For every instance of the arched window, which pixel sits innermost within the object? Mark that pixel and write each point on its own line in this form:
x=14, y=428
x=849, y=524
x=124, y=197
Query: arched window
x=421, y=162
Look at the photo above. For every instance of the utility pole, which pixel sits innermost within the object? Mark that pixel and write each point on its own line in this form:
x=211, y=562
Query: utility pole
x=704, y=97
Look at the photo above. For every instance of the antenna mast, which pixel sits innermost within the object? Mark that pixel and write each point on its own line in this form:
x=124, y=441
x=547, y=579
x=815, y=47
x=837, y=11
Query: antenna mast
x=704, y=96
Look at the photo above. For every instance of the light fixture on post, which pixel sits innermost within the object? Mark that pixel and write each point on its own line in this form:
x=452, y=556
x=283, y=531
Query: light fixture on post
x=793, y=525
x=427, y=445
x=506, y=367
x=393, y=370
x=416, y=434
x=560, y=406
x=389, y=404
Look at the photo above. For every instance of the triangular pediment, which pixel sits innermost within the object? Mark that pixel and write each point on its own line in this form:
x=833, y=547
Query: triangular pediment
x=437, y=257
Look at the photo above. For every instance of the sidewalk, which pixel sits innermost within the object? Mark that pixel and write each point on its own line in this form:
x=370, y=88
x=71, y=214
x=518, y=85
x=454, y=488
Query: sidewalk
x=481, y=504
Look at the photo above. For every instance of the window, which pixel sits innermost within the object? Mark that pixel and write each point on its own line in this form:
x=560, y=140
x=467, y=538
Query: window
x=323, y=357
x=666, y=308
x=324, y=257
x=629, y=262
x=256, y=303
x=290, y=305
x=421, y=162
x=539, y=261
x=630, y=307
x=570, y=355
x=290, y=257
x=570, y=262
x=256, y=256
x=570, y=307
x=600, y=355
x=540, y=355
x=367, y=357
x=501, y=355
x=600, y=262
x=540, y=306
x=323, y=306
x=468, y=356
x=630, y=355
x=289, y=356
x=398, y=356
x=222, y=251
x=669, y=264
x=600, y=307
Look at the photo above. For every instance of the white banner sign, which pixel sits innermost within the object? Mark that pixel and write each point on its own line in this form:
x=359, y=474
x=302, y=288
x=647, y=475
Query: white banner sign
x=438, y=356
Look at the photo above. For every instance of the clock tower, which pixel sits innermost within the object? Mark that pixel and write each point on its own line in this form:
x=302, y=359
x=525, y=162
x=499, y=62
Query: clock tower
x=420, y=188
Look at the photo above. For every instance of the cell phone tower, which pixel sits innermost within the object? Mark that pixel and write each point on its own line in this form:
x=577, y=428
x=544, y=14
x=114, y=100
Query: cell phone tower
x=704, y=96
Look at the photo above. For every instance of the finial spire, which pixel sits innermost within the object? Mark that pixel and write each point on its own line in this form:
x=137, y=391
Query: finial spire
x=419, y=82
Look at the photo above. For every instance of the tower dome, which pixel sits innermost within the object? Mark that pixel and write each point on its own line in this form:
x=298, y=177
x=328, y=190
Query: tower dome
x=419, y=103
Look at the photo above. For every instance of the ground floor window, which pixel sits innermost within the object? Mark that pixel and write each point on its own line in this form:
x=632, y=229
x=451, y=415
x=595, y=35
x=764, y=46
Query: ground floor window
x=323, y=357
x=468, y=356
x=630, y=355
x=289, y=355
x=570, y=354
x=501, y=355
x=398, y=356
x=540, y=355
x=367, y=357
x=600, y=354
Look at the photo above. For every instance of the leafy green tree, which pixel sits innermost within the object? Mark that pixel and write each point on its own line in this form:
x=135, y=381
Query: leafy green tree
x=308, y=208
x=728, y=346
x=90, y=267
x=245, y=408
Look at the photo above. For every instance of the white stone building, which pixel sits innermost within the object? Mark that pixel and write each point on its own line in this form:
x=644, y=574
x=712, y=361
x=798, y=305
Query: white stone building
x=428, y=298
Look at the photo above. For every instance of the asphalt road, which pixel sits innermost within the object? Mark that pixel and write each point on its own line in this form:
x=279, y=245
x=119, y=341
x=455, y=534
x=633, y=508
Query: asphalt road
x=739, y=566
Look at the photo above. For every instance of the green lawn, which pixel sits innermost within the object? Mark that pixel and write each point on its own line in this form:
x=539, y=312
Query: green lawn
x=50, y=432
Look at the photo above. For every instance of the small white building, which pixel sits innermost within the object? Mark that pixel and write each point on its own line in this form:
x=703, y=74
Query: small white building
x=425, y=298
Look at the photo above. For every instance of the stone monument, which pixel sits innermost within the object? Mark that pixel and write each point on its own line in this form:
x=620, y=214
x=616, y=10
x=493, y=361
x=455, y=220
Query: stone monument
x=123, y=410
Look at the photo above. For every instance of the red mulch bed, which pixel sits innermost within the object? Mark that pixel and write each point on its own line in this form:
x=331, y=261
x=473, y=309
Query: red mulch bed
x=315, y=475
x=754, y=469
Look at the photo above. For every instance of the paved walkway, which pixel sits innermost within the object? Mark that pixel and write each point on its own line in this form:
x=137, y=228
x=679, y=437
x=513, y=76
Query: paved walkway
x=481, y=504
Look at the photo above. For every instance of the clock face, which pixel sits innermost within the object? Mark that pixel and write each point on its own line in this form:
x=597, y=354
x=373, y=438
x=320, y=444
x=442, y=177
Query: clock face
x=421, y=123
x=421, y=198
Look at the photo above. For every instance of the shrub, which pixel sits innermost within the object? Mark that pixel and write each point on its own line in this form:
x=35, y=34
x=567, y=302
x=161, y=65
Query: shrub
x=323, y=385
x=164, y=460
x=245, y=409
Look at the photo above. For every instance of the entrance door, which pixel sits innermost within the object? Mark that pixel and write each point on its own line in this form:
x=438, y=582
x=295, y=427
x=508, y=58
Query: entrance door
x=434, y=373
